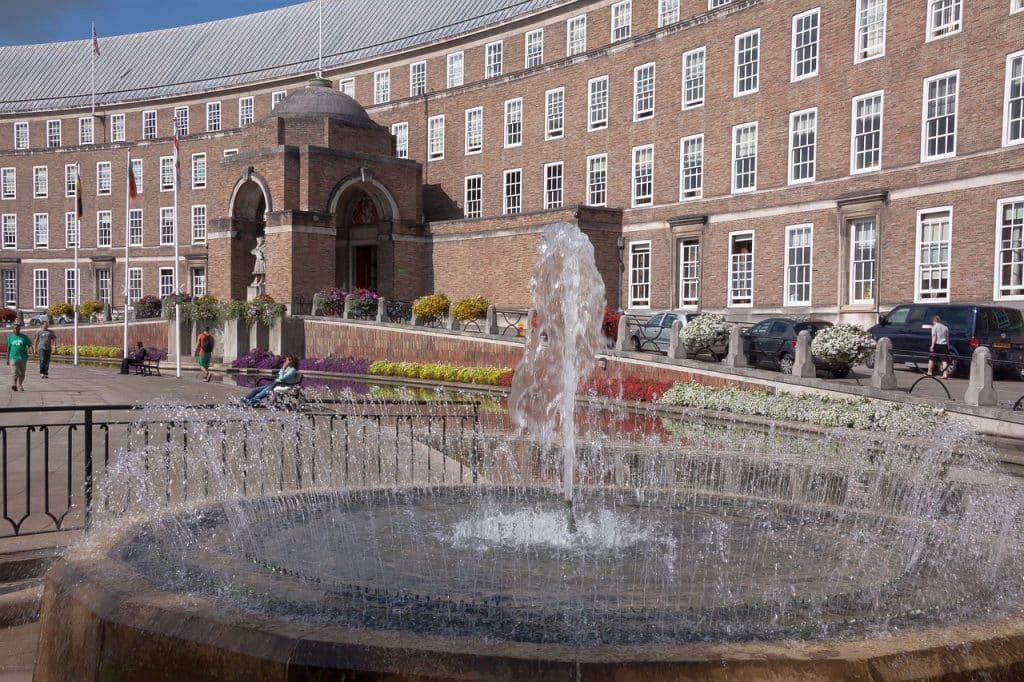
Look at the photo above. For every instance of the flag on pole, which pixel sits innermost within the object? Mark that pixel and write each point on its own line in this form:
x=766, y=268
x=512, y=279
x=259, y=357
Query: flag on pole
x=177, y=161
x=133, y=190
x=95, y=43
x=78, y=191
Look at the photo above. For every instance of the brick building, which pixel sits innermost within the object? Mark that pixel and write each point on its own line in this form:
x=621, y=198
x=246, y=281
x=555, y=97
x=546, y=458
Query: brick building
x=743, y=156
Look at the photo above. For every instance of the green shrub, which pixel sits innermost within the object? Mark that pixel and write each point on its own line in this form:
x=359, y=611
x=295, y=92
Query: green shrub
x=89, y=307
x=88, y=351
x=490, y=376
x=8, y=315
x=262, y=309
x=431, y=306
x=470, y=308
x=203, y=309
x=842, y=344
x=58, y=309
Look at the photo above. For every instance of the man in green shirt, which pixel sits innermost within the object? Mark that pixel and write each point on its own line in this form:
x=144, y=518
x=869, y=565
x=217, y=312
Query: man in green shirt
x=18, y=346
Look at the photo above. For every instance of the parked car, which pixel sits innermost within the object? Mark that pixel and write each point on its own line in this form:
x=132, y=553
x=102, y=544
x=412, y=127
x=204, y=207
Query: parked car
x=772, y=343
x=38, y=318
x=999, y=328
x=655, y=334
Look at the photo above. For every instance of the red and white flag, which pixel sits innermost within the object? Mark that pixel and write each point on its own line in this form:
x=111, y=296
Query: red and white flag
x=95, y=43
x=133, y=189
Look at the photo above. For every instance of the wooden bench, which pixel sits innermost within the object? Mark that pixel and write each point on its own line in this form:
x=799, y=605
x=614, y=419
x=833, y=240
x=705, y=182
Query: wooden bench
x=147, y=367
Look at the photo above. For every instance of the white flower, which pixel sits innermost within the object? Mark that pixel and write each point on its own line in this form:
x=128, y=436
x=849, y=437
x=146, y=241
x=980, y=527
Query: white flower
x=704, y=331
x=842, y=344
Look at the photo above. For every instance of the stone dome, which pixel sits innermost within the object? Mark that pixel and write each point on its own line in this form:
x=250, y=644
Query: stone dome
x=319, y=99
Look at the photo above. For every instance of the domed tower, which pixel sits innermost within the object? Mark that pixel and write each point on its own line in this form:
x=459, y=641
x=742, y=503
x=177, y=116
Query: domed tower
x=319, y=181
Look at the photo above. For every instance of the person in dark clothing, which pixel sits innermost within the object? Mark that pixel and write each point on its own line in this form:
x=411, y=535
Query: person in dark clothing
x=136, y=357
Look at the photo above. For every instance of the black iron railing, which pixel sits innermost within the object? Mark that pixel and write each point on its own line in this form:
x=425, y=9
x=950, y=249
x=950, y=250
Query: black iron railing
x=52, y=456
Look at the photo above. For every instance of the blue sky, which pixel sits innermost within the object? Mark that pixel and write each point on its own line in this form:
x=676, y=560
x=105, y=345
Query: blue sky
x=45, y=21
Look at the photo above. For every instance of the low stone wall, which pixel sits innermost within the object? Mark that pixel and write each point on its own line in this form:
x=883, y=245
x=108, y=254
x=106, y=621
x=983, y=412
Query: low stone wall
x=152, y=333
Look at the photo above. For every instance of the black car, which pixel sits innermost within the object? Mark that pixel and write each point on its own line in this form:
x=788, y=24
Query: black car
x=999, y=328
x=772, y=343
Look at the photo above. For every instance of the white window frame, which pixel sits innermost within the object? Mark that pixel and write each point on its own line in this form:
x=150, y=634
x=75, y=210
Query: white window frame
x=166, y=173
x=691, y=166
x=72, y=229
x=70, y=180
x=277, y=97
x=694, y=66
x=1016, y=6
x=736, y=130
x=136, y=227
x=9, y=230
x=104, y=229
x=53, y=134
x=732, y=299
x=493, y=56
x=597, y=103
x=511, y=203
x=213, y=116
x=870, y=36
x=435, y=138
x=574, y=42
x=40, y=182
x=86, y=130
x=104, y=179
x=533, y=48
x=955, y=11
x=165, y=282
x=40, y=288
x=149, y=124
x=1010, y=102
x=456, y=69
x=473, y=196
x=597, y=180
x=803, y=155
x=754, y=65
x=199, y=225
x=104, y=290
x=925, y=156
x=382, y=86
x=554, y=184
x=1014, y=247
x=117, y=128
x=668, y=12
x=21, y=135
x=813, y=47
x=639, y=291
x=642, y=176
x=401, y=132
x=246, y=110
x=513, y=127
x=919, y=292
x=554, y=114
x=644, y=84
x=854, y=135
x=8, y=183
x=70, y=285
x=166, y=232
x=137, y=167
x=792, y=268
x=689, y=273
x=199, y=170
x=857, y=279
x=198, y=278
x=621, y=21
x=10, y=286
x=347, y=86
x=134, y=292
x=417, y=79
x=474, y=131
x=40, y=230
x=181, y=123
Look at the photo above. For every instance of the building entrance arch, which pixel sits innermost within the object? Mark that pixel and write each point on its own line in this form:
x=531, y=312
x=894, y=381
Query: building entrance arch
x=364, y=213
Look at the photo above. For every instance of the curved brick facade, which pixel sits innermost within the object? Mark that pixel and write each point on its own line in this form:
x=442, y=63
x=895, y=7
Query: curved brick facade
x=851, y=155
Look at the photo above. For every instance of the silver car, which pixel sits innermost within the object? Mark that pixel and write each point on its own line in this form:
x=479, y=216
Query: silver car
x=655, y=333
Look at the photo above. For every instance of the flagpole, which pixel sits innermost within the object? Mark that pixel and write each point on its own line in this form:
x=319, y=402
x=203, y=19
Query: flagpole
x=95, y=50
x=78, y=276
x=177, y=289
x=127, y=221
x=320, y=54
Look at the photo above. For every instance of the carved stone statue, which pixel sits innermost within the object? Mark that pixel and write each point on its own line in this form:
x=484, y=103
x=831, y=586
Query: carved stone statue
x=259, y=269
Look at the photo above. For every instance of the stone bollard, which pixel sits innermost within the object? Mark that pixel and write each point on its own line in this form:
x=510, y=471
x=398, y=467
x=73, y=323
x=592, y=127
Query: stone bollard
x=676, y=348
x=622, y=340
x=382, y=309
x=492, y=321
x=453, y=324
x=736, y=356
x=980, y=391
x=882, y=376
x=415, y=320
x=803, y=365
x=347, y=314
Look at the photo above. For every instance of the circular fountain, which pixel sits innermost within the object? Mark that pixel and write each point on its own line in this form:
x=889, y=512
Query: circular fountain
x=426, y=542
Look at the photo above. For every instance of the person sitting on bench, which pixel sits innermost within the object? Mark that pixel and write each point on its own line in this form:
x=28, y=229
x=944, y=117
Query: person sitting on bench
x=287, y=375
x=136, y=357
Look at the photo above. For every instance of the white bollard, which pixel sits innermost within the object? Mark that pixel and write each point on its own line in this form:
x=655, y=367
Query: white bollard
x=883, y=376
x=980, y=391
x=803, y=365
x=736, y=356
x=676, y=348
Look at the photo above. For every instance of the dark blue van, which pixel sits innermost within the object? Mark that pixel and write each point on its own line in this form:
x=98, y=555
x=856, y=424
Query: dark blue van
x=999, y=328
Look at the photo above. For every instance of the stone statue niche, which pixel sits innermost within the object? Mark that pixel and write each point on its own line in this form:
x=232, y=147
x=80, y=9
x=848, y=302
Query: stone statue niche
x=259, y=270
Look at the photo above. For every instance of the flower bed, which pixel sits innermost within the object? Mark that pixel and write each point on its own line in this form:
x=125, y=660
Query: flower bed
x=629, y=388
x=842, y=344
x=490, y=376
x=704, y=331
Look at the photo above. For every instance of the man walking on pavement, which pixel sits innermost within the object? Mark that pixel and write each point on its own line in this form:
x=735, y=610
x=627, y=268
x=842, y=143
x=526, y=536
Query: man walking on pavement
x=204, y=352
x=18, y=346
x=45, y=339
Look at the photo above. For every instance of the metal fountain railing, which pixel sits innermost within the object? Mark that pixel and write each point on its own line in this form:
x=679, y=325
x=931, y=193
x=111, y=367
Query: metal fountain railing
x=51, y=456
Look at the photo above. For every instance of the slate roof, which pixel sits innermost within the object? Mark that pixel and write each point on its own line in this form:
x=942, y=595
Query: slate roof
x=237, y=51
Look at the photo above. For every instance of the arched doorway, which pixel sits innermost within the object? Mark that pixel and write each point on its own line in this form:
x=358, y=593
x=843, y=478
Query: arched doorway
x=248, y=209
x=364, y=212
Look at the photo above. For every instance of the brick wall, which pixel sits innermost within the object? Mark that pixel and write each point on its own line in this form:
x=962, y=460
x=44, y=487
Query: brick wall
x=153, y=334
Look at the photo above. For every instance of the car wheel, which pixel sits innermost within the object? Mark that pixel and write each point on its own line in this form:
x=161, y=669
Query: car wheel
x=786, y=364
x=954, y=366
x=841, y=372
x=636, y=344
x=869, y=362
